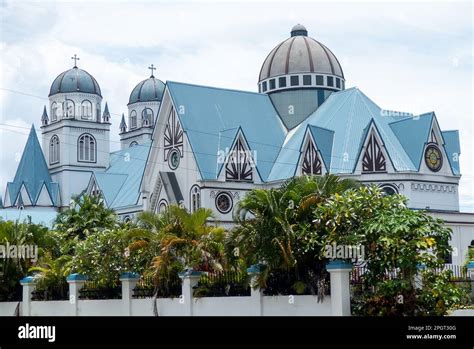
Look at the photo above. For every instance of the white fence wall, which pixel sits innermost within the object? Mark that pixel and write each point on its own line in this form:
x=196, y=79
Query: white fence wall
x=338, y=303
x=186, y=305
x=206, y=306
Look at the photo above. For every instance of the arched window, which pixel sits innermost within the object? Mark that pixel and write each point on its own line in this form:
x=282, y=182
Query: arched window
x=86, y=148
x=97, y=111
x=68, y=109
x=54, y=150
x=163, y=206
x=133, y=119
x=132, y=144
x=147, y=117
x=54, y=111
x=86, y=110
x=195, y=198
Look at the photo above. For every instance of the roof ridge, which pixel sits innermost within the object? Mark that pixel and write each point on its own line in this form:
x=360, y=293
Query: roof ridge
x=216, y=88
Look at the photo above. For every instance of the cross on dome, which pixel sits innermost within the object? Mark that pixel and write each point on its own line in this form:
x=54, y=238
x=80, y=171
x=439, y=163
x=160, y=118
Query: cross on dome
x=75, y=60
x=152, y=67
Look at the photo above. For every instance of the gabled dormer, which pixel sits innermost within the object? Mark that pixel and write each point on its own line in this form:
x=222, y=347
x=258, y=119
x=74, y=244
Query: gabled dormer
x=373, y=156
x=426, y=145
x=315, y=151
x=238, y=162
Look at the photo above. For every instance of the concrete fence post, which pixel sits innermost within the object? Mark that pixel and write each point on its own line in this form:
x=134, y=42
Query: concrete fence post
x=419, y=277
x=340, y=287
x=470, y=271
x=256, y=293
x=76, y=282
x=190, y=279
x=129, y=281
x=29, y=285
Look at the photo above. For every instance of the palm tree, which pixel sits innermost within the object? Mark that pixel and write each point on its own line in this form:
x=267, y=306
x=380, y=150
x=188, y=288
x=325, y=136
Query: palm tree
x=273, y=224
x=13, y=269
x=178, y=239
x=51, y=275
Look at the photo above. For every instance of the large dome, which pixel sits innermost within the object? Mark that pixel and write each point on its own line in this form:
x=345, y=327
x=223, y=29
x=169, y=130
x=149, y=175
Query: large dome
x=75, y=80
x=149, y=90
x=300, y=54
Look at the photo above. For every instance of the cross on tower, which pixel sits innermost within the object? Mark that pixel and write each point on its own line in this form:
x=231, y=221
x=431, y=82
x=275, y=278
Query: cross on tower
x=152, y=67
x=75, y=60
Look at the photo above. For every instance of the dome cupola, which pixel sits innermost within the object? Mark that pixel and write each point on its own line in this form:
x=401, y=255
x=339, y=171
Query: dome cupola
x=75, y=80
x=300, y=62
x=148, y=90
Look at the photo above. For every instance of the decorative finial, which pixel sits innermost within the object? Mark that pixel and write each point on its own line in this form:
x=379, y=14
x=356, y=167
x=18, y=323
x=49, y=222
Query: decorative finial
x=75, y=60
x=152, y=67
x=299, y=30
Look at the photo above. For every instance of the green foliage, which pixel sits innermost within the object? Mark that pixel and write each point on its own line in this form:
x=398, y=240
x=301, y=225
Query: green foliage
x=14, y=269
x=275, y=227
x=104, y=255
x=86, y=215
x=438, y=294
x=51, y=273
x=177, y=239
x=396, y=240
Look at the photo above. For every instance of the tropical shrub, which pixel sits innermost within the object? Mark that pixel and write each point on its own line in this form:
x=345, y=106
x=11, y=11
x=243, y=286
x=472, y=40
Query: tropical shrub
x=276, y=230
x=397, y=241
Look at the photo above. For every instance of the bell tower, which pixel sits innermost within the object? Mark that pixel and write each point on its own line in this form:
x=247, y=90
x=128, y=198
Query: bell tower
x=76, y=134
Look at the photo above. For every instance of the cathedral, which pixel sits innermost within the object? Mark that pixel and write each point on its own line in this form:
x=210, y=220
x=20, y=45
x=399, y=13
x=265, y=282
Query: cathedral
x=201, y=146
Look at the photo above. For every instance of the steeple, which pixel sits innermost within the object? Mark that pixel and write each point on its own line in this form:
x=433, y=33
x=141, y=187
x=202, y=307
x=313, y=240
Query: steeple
x=32, y=177
x=123, y=125
x=106, y=114
x=44, y=117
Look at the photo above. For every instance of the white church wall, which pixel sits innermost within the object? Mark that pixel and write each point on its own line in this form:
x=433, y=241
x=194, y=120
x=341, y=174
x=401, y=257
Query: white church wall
x=71, y=182
x=462, y=225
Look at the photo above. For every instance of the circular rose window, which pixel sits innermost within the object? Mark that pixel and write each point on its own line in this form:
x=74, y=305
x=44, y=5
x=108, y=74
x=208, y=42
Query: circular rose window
x=224, y=202
x=173, y=159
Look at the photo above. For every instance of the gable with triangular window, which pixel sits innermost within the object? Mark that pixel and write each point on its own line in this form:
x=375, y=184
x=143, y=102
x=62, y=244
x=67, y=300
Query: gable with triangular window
x=239, y=166
x=373, y=159
x=311, y=162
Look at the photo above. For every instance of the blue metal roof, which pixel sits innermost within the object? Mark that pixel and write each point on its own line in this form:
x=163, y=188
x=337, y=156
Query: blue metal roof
x=33, y=173
x=348, y=113
x=120, y=183
x=453, y=149
x=212, y=116
x=324, y=140
x=75, y=80
x=413, y=133
x=148, y=90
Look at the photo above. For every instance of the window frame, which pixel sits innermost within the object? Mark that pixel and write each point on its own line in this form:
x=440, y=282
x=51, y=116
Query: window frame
x=54, y=150
x=87, y=148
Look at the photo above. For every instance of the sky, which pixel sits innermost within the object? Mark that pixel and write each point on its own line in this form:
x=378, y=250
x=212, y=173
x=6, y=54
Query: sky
x=407, y=56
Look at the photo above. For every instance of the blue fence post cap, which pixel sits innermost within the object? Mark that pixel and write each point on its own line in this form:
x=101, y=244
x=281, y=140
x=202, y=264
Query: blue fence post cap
x=129, y=275
x=338, y=264
x=189, y=272
x=28, y=280
x=255, y=269
x=76, y=277
x=421, y=266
